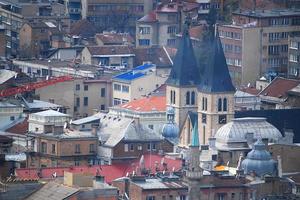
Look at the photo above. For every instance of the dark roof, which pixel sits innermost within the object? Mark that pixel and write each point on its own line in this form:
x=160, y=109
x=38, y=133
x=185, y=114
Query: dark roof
x=5, y=139
x=269, y=13
x=115, y=38
x=155, y=54
x=215, y=76
x=185, y=70
x=193, y=117
x=110, y=50
x=150, y=17
x=279, y=87
x=83, y=28
x=20, y=128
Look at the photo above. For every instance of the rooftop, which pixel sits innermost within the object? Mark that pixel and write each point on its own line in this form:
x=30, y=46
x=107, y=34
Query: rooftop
x=157, y=183
x=83, y=28
x=51, y=113
x=269, y=13
x=279, y=87
x=135, y=73
x=114, y=38
x=110, y=172
x=113, y=50
x=146, y=104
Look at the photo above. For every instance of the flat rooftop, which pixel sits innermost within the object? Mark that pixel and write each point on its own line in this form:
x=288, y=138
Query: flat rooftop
x=269, y=13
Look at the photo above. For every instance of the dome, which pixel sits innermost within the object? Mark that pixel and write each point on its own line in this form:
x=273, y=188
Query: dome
x=259, y=161
x=236, y=130
x=170, y=130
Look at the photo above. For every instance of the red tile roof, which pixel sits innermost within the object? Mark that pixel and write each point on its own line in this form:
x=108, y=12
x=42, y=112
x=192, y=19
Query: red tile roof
x=110, y=50
x=279, y=87
x=250, y=90
x=150, y=17
x=147, y=104
x=110, y=172
x=114, y=38
x=20, y=128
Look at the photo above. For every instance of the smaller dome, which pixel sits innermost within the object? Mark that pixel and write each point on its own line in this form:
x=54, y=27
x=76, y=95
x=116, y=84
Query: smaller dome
x=259, y=161
x=170, y=110
x=170, y=130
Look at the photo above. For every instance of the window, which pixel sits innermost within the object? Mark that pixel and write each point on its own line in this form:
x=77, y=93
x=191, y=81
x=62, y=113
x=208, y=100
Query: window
x=293, y=45
x=204, y=118
x=102, y=107
x=77, y=101
x=86, y=87
x=44, y=147
x=104, y=61
x=12, y=118
x=150, y=198
x=76, y=162
x=221, y=196
x=144, y=30
x=150, y=126
x=171, y=42
x=149, y=147
x=125, y=88
x=224, y=104
x=53, y=148
x=117, y=87
x=182, y=197
x=102, y=93
x=131, y=147
x=126, y=147
x=193, y=98
x=171, y=29
x=85, y=101
x=144, y=42
x=153, y=146
x=232, y=195
x=92, y=148
x=116, y=101
x=222, y=119
x=140, y=147
x=187, y=98
x=219, y=104
x=77, y=87
x=77, y=148
x=171, y=197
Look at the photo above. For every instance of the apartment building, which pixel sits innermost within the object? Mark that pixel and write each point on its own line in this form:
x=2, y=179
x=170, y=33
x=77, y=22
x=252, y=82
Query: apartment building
x=256, y=43
x=136, y=83
x=10, y=24
x=117, y=15
x=159, y=27
x=51, y=144
x=74, y=9
x=294, y=57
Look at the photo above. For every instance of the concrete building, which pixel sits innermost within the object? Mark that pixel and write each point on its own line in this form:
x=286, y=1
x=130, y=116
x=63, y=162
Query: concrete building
x=117, y=15
x=111, y=57
x=9, y=114
x=136, y=83
x=11, y=21
x=256, y=43
x=150, y=111
x=294, y=57
x=50, y=143
x=159, y=27
x=246, y=101
x=73, y=9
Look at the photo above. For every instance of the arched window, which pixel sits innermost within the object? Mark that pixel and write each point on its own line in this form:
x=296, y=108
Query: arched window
x=171, y=96
x=202, y=103
x=205, y=103
x=219, y=104
x=174, y=97
x=224, y=104
x=187, y=98
x=193, y=98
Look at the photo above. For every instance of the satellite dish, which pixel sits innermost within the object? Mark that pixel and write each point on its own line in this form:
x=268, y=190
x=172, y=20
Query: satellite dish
x=248, y=85
x=71, y=121
x=47, y=77
x=16, y=75
x=57, y=109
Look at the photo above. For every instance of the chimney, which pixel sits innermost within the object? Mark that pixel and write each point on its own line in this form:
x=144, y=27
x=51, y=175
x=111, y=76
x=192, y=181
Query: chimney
x=279, y=166
x=95, y=128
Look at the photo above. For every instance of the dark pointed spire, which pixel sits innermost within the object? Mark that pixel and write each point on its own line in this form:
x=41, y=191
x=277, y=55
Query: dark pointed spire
x=185, y=71
x=215, y=76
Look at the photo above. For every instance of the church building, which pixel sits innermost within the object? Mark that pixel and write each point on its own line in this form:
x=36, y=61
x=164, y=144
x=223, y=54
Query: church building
x=202, y=87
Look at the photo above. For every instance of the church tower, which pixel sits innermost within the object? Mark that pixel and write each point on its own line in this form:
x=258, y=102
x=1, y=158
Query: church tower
x=181, y=91
x=216, y=91
x=194, y=172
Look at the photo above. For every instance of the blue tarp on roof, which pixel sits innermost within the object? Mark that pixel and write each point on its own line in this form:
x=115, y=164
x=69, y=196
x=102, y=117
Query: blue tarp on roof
x=135, y=73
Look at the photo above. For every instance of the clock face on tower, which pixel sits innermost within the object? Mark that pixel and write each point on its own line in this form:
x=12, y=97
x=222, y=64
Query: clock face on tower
x=222, y=119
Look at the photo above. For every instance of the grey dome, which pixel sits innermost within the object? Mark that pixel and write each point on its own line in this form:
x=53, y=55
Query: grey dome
x=170, y=130
x=259, y=161
x=236, y=131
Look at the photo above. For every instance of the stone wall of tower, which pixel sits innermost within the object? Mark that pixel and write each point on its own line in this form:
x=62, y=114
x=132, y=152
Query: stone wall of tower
x=209, y=128
x=180, y=106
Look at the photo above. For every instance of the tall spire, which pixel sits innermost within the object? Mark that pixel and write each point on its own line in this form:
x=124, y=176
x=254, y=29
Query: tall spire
x=195, y=136
x=215, y=76
x=185, y=70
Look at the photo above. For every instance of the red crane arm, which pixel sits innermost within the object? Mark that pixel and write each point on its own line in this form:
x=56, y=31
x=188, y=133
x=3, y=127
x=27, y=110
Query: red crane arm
x=31, y=86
